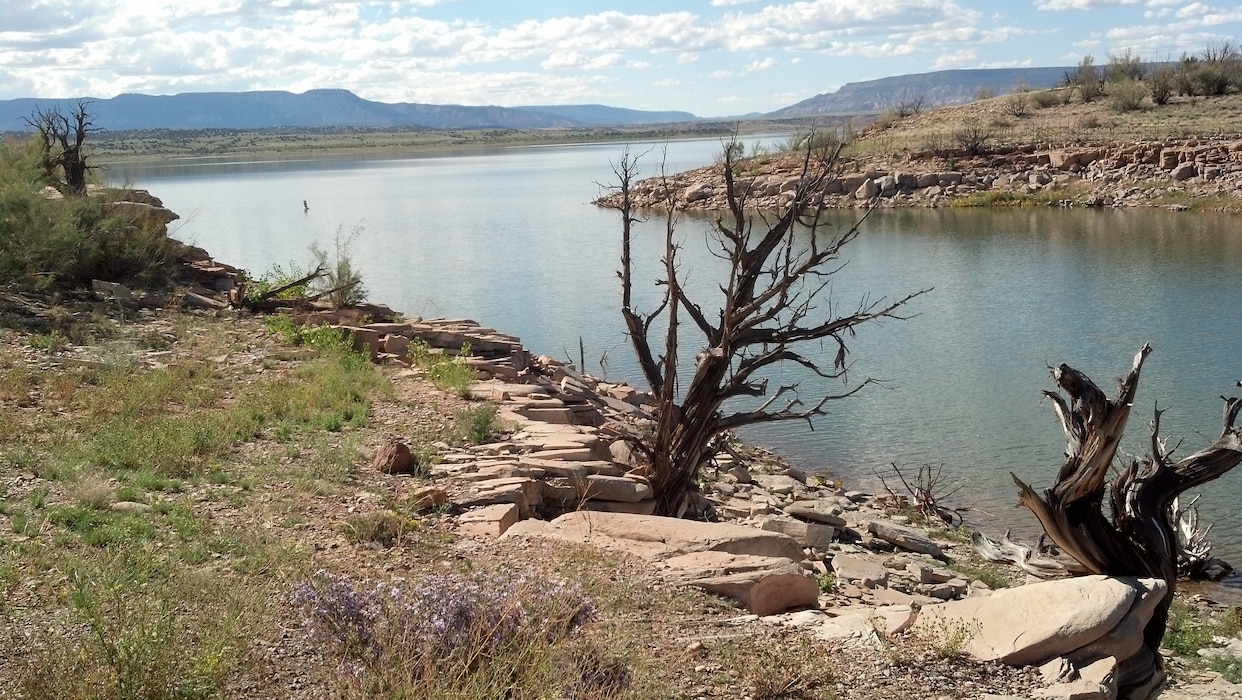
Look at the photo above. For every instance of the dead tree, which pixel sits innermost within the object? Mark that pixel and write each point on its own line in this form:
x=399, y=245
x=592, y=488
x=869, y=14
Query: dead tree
x=61, y=141
x=1141, y=538
x=774, y=300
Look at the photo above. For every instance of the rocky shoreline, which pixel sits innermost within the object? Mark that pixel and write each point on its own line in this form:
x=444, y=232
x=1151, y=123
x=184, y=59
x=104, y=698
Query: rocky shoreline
x=1173, y=174
x=793, y=549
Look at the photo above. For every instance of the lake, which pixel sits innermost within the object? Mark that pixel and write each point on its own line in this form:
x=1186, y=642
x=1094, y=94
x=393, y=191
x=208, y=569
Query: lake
x=510, y=238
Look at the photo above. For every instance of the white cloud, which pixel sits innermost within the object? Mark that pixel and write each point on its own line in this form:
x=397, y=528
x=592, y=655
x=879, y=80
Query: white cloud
x=1057, y=5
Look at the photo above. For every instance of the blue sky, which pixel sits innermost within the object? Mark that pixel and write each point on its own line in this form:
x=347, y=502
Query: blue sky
x=709, y=57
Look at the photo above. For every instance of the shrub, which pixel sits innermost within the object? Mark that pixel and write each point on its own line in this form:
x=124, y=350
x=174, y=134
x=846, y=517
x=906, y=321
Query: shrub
x=973, y=137
x=1126, y=95
x=278, y=276
x=1045, y=99
x=1087, y=80
x=1016, y=103
x=66, y=242
x=1163, y=82
x=1125, y=67
x=343, y=282
x=451, y=632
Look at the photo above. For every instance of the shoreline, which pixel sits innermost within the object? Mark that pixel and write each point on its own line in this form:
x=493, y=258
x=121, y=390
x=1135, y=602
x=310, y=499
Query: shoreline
x=1179, y=175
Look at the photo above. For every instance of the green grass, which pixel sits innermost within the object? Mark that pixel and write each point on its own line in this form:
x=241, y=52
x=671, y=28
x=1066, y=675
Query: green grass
x=1191, y=629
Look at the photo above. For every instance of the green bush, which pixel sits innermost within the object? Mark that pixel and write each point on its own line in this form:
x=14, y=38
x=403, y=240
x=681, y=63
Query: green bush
x=343, y=282
x=1126, y=96
x=51, y=242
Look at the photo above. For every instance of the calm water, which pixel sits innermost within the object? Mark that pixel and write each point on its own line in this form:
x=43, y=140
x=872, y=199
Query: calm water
x=510, y=239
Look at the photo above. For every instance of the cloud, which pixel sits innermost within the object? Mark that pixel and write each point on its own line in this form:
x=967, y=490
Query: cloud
x=1057, y=5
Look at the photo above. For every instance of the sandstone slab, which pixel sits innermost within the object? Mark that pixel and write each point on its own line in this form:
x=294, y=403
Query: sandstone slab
x=659, y=537
x=1032, y=624
x=765, y=585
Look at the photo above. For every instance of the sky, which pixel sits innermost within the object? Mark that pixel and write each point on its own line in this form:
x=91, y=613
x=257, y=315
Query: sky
x=709, y=57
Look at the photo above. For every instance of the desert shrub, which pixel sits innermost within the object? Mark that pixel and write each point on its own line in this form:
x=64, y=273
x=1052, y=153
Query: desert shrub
x=477, y=424
x=1044, y=99
x=1126, y=95
x=1016, y=103
x=1162, y=84
x=65, y=242
x=1125, y=67
x=454, y=635
x=985, y=93
x=343, y=281
x=1087, y=80
x=276, y=277
x=973, y=137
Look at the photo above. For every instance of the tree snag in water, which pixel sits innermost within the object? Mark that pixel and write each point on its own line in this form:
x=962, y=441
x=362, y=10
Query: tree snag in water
x=1140, y=538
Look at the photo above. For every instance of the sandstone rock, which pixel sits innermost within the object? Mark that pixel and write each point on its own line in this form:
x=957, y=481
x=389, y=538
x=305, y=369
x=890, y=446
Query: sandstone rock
x=698, y=191
x=427, y=497
x=823, y=512
x=807, y=534
x=867, y=189
x=616, y=488
x=1032, y=624
x=863, y=625
x=658, y=537
x=638, y=508
x=1126, y=638
x=765, y=585
x=130, y=507
x=904, y=537
x=1184, y=171
x=489, y=521
x=777, y=483
x=394, y=458
x=867, y=573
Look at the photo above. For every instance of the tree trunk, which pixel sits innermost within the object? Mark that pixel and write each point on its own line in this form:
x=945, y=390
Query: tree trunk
x=1141, y=537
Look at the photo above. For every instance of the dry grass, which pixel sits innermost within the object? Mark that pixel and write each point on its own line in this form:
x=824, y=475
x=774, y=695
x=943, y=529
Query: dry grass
x=1060, y=124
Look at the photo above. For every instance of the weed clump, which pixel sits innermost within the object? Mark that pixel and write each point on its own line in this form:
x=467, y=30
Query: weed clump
x=452, y=635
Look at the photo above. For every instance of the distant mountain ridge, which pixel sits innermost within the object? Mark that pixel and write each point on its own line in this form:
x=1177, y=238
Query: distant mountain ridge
x=328, y=108
x=935, y=89
x=319, y=109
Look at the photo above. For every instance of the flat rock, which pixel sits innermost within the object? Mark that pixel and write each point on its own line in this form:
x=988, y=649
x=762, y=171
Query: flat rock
x=616, y=488
x=489, y=521
x=1029, y=625
x=865, y=572
x=906, y=538
x=765, y=585
x=807, y=534
x=657, y=537
x=823, y=512
x=778, y=483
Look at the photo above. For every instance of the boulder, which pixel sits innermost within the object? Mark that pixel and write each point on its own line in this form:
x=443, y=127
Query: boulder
x=904, y=537
x=616, y=488
x=394, y=458
x=867, y=189
x=867, y=573
x=822, y=512
x=657, y=537
x=1035, y=623
x=807, y=534
x=765, y=585
x=489, y=521
x=778, y=483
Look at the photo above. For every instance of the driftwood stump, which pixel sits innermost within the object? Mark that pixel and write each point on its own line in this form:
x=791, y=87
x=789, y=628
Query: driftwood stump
x=1140, y=538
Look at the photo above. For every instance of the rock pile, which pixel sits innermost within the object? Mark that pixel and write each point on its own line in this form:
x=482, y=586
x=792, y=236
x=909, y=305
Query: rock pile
x=1106, y=175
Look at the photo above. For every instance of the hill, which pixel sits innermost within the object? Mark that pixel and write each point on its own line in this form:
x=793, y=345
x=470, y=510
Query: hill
x=939, y=88
x=318, y=109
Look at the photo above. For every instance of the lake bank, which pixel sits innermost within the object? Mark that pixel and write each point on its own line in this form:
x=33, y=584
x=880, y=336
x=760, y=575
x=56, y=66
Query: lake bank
x=1179, y=175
